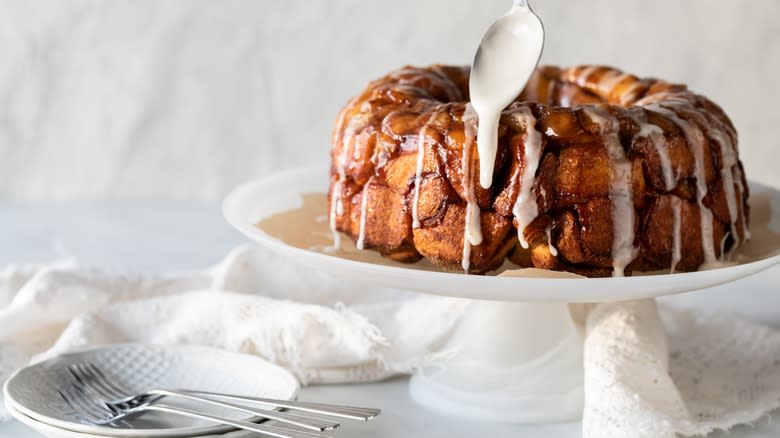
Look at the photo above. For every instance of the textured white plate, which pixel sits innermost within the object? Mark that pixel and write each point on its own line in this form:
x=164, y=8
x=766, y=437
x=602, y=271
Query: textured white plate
x=32, y=390
x=300, y=236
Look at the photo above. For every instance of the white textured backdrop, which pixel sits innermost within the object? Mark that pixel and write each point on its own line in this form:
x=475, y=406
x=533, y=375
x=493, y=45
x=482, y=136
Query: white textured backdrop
x=183, y=99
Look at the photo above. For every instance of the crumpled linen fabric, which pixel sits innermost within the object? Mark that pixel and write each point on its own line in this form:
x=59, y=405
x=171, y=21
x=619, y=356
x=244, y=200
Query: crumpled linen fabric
x=649, y=371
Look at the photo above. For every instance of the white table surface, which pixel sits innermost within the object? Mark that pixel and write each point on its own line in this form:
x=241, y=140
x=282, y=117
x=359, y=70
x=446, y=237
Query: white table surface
x=162, y=237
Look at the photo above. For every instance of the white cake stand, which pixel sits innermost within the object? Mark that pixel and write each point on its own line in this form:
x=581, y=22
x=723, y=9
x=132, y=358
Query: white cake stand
x=517, y=354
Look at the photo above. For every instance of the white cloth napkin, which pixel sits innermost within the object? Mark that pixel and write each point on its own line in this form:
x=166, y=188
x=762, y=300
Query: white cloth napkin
x=648, y=373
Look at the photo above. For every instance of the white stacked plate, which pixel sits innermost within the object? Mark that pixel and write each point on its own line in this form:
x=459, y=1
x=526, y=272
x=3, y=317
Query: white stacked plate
x=31, y=394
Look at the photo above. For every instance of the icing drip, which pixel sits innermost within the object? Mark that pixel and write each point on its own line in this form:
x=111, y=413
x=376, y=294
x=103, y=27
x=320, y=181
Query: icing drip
x=727, y=177
x=525, y=209
x=418, y=172
x=653, y=99
x=504, y=63
x=656, y=136
x=723, y=245
x=628, y=95
x=676, y=243
x=553, y=250
x=472, y=233
x=453, y=90
x=695, y=140
x=606, y=83
x=582, y=77
x=741, y=189
x=620, y=194
x=363, y=207
x=611, y=79
x=336, y=203
x=466, y=258
x=473, y=221
x=434, y=76
x=565, y=101
x=728, y=163
x=487, y=144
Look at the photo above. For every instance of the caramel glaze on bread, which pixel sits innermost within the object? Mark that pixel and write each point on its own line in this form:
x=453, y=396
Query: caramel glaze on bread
x=683, y=201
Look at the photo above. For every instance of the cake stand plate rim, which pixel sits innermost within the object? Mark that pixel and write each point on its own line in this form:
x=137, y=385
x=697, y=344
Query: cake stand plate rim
x=305, y=179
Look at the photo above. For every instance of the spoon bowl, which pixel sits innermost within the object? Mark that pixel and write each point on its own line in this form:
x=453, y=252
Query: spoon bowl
x=506, y=58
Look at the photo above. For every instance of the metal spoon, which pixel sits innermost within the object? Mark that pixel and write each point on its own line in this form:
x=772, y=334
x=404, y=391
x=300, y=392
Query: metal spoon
x=505, y=60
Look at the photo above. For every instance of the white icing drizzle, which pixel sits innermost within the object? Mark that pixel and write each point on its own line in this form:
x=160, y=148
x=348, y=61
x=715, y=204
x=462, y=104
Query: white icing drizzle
x=676, y=238
x=525, y=209
x=728, y=163
x=465, y=262
x=564, y=102
x=724, y=256
x=473, y=226
x=612, y=79
x=472, y=232
x=336, y=202
x=453, y=90
x=653, y=98
x=695, y=140
x=436, y=76
x=609, y=81
x=505, y=61
x=582, y=77
x=628, y=95
x=418, y=172
x=487, y=144
x=741, y=188
x=363, y=207
x=621, y=196
x=656, y=136
x=553, y=250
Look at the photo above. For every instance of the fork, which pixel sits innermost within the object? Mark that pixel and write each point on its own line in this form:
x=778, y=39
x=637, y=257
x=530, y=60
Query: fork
x=85, y=403
x=114, y=392
x=117, y=398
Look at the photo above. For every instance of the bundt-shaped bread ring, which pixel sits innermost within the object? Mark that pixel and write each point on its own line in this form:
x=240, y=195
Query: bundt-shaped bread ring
x=600, y=171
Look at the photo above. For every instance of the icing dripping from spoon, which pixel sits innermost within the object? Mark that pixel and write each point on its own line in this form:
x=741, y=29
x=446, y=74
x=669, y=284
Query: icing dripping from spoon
x=505, y=60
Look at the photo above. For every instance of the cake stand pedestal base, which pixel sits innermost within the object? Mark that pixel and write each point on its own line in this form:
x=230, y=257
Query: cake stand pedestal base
x=507, y=362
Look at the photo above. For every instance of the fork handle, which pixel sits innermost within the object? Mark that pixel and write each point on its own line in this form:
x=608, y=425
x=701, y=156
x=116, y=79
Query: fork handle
x=310, y=423
x=276, y=432
x=350, y=412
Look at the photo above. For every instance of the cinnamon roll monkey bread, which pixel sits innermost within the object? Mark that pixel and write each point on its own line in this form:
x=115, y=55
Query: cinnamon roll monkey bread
x=598, y=172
